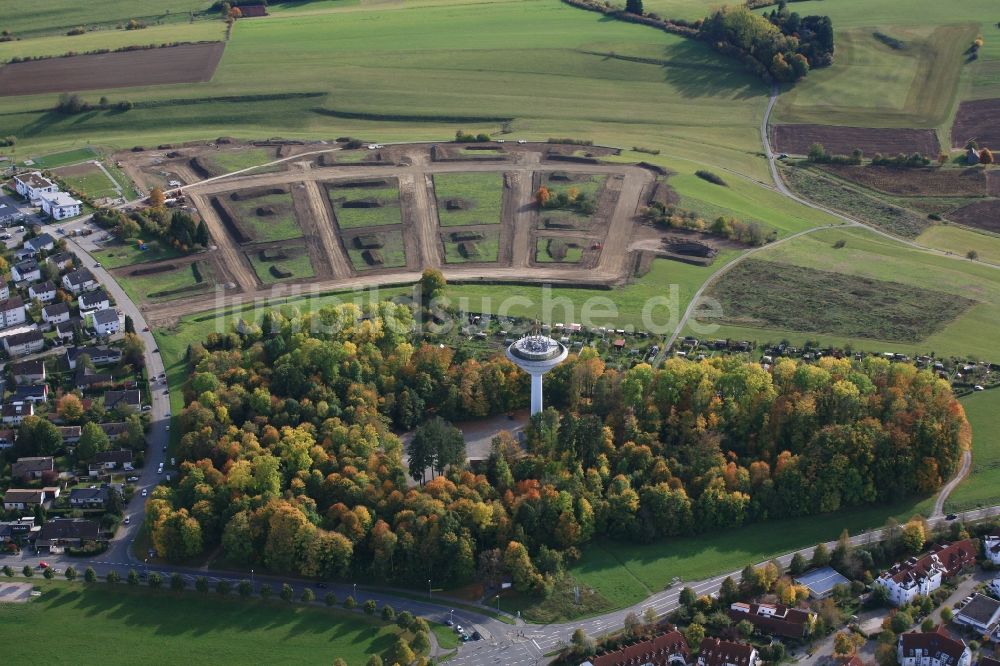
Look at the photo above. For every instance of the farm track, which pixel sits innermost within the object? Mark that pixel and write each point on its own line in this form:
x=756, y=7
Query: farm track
x=311, y=222
x=425, y=219
x=227, y=252
x=520, y=217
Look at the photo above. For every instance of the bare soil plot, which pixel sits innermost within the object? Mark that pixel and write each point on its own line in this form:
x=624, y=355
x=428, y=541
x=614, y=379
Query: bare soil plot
x=457, y=152
x=977, y=120
x=764, y=294
x=187, y=63
x=797, y=139
x=983, y=215
x=970, y=182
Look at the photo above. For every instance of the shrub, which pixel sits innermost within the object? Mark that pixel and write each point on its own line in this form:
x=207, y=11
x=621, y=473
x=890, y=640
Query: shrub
x=330, y=599
x=155, y=580
x=70, y=573
x=177, y=582
x=201, y=584
x=27, y=571
x=113, y=577
x=265, y=591
x=839, y=244
x=308, y=596
x=287, y=593
x=710, y=177
x=244, y=588
x=349, y=602
x=90, y=575
x=223, y=587
x=369, y=607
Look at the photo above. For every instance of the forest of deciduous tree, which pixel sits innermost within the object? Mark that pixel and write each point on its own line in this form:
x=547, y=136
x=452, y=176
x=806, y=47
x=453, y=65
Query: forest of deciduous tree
x=289, y=461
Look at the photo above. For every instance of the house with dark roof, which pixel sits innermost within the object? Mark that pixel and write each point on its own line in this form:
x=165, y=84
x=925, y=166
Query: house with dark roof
x=86, y=378
x=991, y=548
x=93, y=301
x=43, y=291
x=97, y=355
x=61, y=260
x=70, y=434
x=666, y=649
x=34, y=393
x=28, y=372
x=988, y=661
x=24, y=499
x=22, y=344
x=12, y=312
x=31, y=467
x=55, y=313
x=79, y=281
x=65, y=329
x=252, y=11
x=41, y=243
x=921, y=576
x=717, y=652
x=105, y=323
x=60, y=533
x=120, y=459
x=6, y=438
x=982, y=614
x=26, y=271
x=774, y=619
x=128, y=398
x=932, y=648
x=114, y=430
x=14, y=415
x=90, y=498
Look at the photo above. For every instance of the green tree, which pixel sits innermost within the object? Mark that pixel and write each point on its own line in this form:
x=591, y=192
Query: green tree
x=687, y=597
x=421, y=643
x=432, y=283
x=177, y=582
x=388, y=613
x=155, y=580
x=201, y=584
x=797, y=565
x=374, y=660
x=48, y=573
x=435, y=444
x=399, y=653
x=901, y=622
x=7, y=571
x=265, y=591
x=349, y=602
x=913, y=536
x=93, y=440
x=244, y=588
x=947, y=615
x=821, y=556
x=70, y=572
x=330, y=599
x=369, y=607
x=113, y=577
x=223, y=587
x=287, y=593
x=89, y=575
x=308, y=596
x=634, y=7
x=728, y=591
x=695, y=634
x=745, y=628
x=27, y=571
x=133, y=577
x=404, y=619
x=37, y=437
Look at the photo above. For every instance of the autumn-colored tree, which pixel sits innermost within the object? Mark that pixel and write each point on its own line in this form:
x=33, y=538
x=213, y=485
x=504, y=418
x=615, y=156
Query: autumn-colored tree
x=914, y=536
x=70, y=409
x=985, y=156
x=542, y=196
x=847, y=642
x=156, y=197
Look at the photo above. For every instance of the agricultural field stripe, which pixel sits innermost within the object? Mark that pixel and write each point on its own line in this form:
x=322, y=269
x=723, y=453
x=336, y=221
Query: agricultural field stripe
x=408, y=118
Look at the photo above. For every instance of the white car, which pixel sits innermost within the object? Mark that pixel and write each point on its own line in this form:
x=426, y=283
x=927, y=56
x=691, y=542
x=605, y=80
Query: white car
x=127, y=519
x=979, y=388
x=522, y=141
x=144, y=492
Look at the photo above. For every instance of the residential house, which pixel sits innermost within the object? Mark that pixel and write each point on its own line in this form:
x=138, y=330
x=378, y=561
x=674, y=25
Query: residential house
x=774, y=619
x=104, y=322
x=13, y=415
x=28, y=372
x=26, y=271
x=21, y=499
x=4, y=291
x=982, y=614
x=39, y=244
x=114, y=430
x=120, y=459
x=12, y=312
x=995, y=586
x=932, y=648
x=31, y=468
x=33, y=393
x=906, y=580
x=716, y=652
x=128, y=398
x=33, y=185
x=61, y=260
x=991, y=548
x=60, y=533
x=79, y=281
x=65, y=329
x=44, y=292
x=666, y=649
x=90, y=498
x=70, y=434
x=6, y=439
x=15, y=530
x=97, y=355
x=60, y=206
x=22, y=344
x=56, y=313
x=93, y=302
x=87, y=379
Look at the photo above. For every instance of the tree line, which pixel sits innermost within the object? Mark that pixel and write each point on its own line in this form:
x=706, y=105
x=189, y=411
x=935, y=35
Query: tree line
x=289, y=461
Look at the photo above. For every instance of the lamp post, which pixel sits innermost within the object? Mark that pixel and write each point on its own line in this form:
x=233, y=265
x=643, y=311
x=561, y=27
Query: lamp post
x=428, y=588
x=354, y=595
x=451, y=616
x=251, y=578
x=145, y=563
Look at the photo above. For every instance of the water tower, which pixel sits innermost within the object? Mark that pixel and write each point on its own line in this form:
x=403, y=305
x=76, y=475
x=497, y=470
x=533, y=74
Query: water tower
x=536, y=355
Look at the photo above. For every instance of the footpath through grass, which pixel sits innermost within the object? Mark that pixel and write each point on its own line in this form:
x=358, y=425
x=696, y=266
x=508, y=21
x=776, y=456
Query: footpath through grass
x=982, y=486
x=161, y=627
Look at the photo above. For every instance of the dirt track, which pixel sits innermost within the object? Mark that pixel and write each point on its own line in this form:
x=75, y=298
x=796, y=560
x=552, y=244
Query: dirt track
x=614, y=226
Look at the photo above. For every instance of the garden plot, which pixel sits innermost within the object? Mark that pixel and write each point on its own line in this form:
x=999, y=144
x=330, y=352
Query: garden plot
x=567, y=250
x=281, y=263
x=476, y=244
x=372, y=250
x=167, y=281
x=568, y=200
x=258, y=215
x=365, y=203
x=469, y=198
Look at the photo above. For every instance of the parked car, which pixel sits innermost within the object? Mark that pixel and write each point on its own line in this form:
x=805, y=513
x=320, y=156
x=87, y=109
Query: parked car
x=127, y=519
x=950, y=516
x=132, y=479
x=144, y=492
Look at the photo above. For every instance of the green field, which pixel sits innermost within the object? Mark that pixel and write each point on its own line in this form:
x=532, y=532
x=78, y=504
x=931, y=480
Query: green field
x=183, y=281
x=386, y=213
x=227, y=161
x=57, y=45
x=488, y=249
x=297, y=263
x=572, y=252
x=982, y=486
x=479, y=195
x=64, y=158
x=93, y=182
x=880, y=258
x=282, y=225
x=114, y=256
x=960, y=240
x=392, y=251
x=148, y=626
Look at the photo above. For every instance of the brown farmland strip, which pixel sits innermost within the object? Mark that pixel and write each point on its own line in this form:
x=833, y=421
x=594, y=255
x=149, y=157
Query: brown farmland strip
x=797, y=139
x=977, y=120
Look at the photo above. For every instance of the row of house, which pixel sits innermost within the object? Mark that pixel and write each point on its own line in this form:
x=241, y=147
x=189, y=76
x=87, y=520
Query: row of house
x=54, y=536
x=27, y=470
x=42, y=192
x=914, y=577
x=671, y=649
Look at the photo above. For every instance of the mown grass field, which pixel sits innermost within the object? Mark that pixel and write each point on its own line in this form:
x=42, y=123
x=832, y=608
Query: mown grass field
x=63, y=158
x=573, y=253
x=961, y=240
x=57, y=45
x=89, y=180
x=865, y=254
x=480, y=193
x=982, y=486
x=227, y=161
x=297, y=263
x=129, y=626
x=388, y=212
x=128, y=254
x=167, y=285
x=281, y=225
x=488, y=249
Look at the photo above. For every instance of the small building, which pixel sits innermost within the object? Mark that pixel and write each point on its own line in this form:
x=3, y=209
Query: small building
x=774, y=619
x=932, y=648
x=22, y=344
x=982, y=614
x=79, y=281
x=118, y=399
x=4, y=291
x=667, y=649
x=33, y=185
x=65, y=329
x=62, y=260
x=14, y=415
x=15, y=530
x=991, y=548
x=37, y=393
x=56, y=313
x=26, y=271
x=114, y=430
x=12, y=312
x=906, y=580
x=60, y=206
x=32, y=468
x=6, y=439
x=60, y=533
x=94, y=301
x=70, y=434
x=252, y=11
x=23, y=499
x=28, y=372
x=97, y=355
x=120, y=459
x=87, y=378
x=41, y=243
x=717, y=652
x=104, y=322
x=89, y=498
x=43, y=291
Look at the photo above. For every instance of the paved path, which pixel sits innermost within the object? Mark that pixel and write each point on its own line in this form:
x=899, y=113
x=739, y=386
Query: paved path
x=963, y=471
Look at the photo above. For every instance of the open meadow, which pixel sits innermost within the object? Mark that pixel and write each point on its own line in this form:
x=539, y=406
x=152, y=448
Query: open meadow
x=982, y=486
